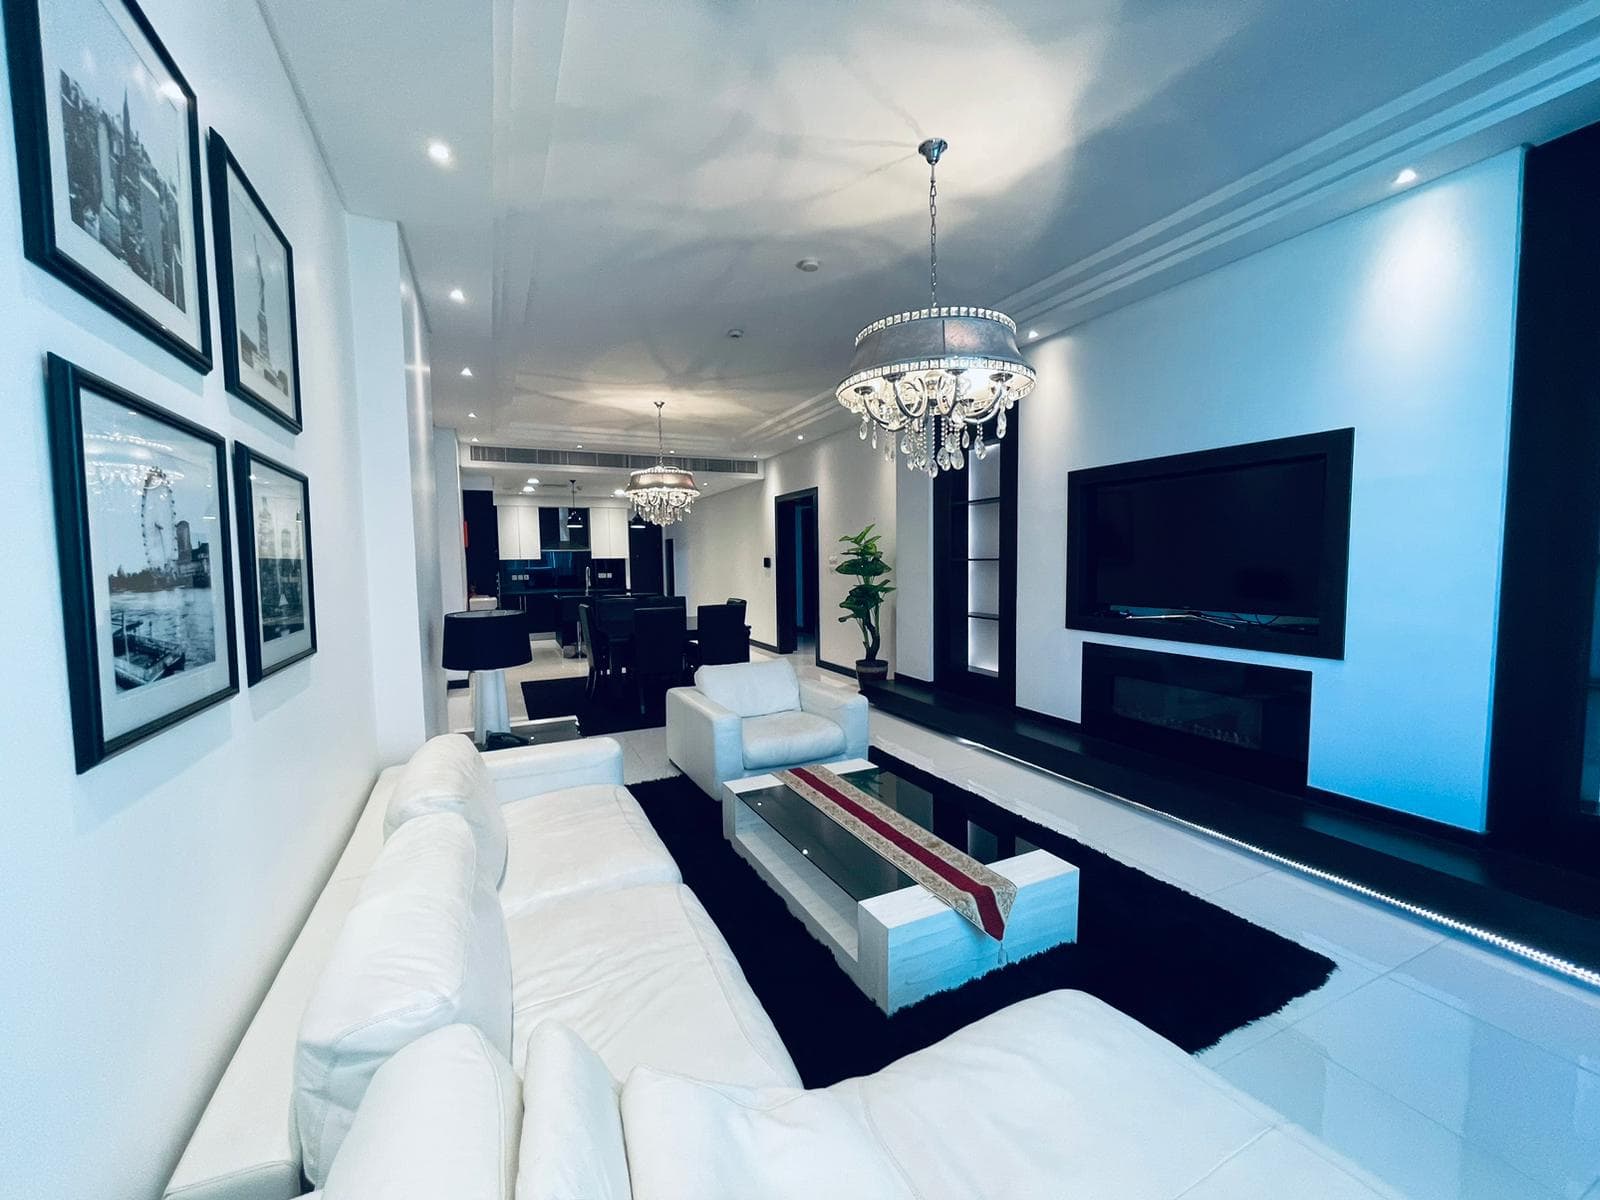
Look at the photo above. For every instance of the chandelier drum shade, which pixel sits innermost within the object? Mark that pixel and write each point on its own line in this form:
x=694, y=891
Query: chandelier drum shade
x=926, y=378
x=661, y=494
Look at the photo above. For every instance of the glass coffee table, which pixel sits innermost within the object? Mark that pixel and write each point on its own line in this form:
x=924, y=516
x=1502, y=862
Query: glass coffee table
x=894, y=938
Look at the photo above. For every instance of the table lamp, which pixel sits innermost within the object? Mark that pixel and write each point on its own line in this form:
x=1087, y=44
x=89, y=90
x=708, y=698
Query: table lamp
x=485, y=642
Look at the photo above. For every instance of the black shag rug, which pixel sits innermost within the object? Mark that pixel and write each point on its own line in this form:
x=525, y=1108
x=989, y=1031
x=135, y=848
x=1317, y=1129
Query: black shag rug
x=1180, y=965
x=615, y=709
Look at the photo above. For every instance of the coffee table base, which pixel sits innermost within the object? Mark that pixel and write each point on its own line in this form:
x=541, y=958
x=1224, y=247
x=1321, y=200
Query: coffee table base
x=903, y=946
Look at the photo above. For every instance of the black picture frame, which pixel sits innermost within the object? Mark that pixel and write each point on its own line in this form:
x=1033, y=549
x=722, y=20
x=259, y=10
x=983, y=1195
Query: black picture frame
x=1335, y=448
x=30, y=100
x=244, y=461
x=221, y=163
x=65, y=385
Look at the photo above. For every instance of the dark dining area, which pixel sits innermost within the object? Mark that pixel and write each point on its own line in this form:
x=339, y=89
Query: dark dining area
x=637, y=646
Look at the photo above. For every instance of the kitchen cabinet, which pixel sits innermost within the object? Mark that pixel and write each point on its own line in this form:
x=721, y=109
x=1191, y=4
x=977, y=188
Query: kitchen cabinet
x=519, y=530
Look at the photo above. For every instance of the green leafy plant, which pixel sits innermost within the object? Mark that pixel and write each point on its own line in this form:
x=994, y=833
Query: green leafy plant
x=864, y=562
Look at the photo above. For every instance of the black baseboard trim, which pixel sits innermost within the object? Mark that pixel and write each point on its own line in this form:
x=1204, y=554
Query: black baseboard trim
x=847, y=672
x=451, y=685
x=767, y=646
x=1455, y=878
x=904, y=678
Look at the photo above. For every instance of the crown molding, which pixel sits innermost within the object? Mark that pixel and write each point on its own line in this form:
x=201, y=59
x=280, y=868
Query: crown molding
x=801, y=417
x=1445, y=122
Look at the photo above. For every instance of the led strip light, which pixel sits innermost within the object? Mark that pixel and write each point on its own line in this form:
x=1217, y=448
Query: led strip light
x=1542, y=958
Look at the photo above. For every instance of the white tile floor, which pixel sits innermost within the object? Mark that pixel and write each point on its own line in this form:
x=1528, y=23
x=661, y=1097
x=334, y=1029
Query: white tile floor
x=1447, y=1070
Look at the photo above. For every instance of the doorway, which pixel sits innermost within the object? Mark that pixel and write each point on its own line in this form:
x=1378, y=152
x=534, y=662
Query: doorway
x=795, y=528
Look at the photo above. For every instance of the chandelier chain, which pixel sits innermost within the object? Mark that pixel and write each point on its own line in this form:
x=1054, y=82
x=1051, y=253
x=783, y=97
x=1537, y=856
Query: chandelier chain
x=661, y=441
x=933, y=233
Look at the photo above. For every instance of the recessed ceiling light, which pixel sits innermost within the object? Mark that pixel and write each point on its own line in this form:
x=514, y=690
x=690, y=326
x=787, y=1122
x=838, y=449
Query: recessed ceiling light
x=528, y=489
x=800, y=437
x=532, y=480
x=458, y=295
x=619, y=492
x=466, y=372
x=736, y=334
x=474, y=439
x=472, y=416
x=580, y=446
x=1406, y=178
x=1032, y=333
x=441, y=153
x=808, y=265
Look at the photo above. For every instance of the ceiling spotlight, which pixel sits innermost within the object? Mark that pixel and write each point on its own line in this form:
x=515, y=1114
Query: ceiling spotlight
x=474, y=439
x=580, y=446
x=441, y=153
x=458, y=295
x=472, y=416
x=532, y=480
x=808, y=265
x=736, y=334
x=466, y=372
x=1406, y=178
x=619, y=491
x=1032, y=333
x=800, y=437
x=527, y=489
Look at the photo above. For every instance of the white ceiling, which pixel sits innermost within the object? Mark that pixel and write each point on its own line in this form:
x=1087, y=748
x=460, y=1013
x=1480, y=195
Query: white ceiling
x=633, y=178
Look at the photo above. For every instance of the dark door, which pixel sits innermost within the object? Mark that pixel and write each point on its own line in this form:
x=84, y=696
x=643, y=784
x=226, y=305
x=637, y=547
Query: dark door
x=795, y=529
x=1544, y=773
x=669, y=555
x=644, y=556
x=483, y=542
x=975, y=573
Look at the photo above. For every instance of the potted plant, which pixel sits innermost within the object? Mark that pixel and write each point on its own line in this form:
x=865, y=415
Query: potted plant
x=864, y=563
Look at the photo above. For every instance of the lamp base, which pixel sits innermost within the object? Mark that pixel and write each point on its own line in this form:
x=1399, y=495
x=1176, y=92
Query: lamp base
x=490, y=714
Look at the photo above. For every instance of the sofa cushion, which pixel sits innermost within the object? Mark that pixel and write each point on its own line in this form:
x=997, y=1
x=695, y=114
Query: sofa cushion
x=571, y=1128
x=424, y=946
x=440, y=1118
x=447, y=774
x=786, y=738
x=643, y=977
x=581, y=839
x=720, y=1142
x=751, y=689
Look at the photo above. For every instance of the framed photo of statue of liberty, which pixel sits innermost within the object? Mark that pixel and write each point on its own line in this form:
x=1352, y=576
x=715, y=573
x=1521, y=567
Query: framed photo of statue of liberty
x=255, y=293
x=280, y=612
x=146, y=578
x=108, y=162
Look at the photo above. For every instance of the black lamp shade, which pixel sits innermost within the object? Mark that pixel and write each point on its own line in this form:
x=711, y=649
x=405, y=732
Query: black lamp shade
x=486, y=640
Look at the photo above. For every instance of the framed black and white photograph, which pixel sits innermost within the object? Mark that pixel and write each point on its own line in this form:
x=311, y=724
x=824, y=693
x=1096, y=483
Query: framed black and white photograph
x=255, y=292
x=108, y=158
x=146, y=585
x=280, y=612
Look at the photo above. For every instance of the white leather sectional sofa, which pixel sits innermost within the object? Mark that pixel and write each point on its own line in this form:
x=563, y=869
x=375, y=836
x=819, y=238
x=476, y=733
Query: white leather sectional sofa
x=517, y=912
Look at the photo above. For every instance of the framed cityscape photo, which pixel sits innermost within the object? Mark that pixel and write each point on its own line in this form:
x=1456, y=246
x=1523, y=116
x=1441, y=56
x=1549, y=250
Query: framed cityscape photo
x=255, y=293
x=280, y=612
x=146, y=588
x=108, y=158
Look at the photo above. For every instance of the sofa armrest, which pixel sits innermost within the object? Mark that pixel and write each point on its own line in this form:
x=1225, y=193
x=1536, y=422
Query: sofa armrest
x=704, y=739
x=534, y=770
x=846, y=709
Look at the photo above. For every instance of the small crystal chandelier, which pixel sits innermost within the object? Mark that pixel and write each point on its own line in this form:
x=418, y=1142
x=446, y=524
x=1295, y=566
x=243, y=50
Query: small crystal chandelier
x=929, y=376
x=662, y=494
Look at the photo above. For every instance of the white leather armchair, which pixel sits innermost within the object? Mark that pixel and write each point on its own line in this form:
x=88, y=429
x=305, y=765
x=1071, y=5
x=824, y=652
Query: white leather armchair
x=744, y=718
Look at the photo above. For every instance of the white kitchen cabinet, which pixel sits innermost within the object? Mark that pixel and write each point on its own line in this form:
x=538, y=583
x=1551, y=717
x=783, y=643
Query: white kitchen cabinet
x=519, y=530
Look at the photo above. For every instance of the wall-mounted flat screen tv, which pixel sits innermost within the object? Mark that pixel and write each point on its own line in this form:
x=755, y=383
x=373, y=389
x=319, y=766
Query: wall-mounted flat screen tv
x=1243, y=546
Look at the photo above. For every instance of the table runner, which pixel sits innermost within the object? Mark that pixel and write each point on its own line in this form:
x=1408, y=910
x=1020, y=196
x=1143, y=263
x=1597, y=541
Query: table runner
x=981, y=895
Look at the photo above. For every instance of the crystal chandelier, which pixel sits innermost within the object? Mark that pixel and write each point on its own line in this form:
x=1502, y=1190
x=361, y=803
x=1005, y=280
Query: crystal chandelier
x=662, y=494
x=930, y=376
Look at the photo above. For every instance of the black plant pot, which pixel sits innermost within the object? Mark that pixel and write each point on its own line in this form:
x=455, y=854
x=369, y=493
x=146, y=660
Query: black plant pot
x=871, y=670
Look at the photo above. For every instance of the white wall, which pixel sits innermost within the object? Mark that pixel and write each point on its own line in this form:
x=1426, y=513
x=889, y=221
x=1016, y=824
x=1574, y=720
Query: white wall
x=720, y=547
x=1397, y=320
x=148, y=902
x=403, y=593
x=428, y=574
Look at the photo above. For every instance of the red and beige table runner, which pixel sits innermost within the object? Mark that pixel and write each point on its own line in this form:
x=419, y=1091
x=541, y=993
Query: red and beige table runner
x=979, y=894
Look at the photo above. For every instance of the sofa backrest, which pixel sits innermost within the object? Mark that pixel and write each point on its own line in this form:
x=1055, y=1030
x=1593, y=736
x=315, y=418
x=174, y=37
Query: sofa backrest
x=424, y=946
x=751, y=689
x=441, y=1118
x=447, y=774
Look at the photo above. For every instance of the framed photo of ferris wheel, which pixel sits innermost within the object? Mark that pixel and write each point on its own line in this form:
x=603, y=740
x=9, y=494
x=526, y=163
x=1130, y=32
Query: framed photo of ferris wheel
x=146, y=581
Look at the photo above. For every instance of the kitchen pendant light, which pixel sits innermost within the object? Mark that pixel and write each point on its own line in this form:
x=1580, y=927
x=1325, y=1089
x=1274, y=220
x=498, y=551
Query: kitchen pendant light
x=928, y=378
